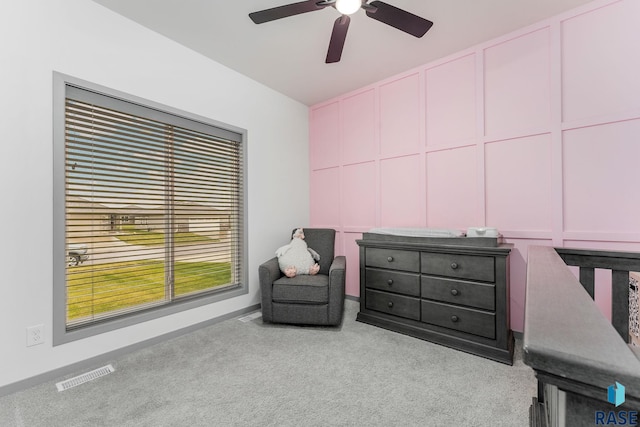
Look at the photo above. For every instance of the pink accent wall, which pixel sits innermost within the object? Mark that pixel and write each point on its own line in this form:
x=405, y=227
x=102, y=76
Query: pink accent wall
x=518, y=183
x=536, y=132
x=451, y=188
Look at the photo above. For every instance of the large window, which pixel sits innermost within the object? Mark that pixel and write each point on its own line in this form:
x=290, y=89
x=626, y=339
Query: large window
x=150, y=202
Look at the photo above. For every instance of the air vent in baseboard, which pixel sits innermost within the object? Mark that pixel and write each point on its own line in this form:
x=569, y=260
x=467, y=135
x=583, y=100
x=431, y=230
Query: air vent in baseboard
x=81, y=379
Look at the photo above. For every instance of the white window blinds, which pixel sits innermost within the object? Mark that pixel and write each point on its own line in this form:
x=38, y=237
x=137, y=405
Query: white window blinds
x=153, y=208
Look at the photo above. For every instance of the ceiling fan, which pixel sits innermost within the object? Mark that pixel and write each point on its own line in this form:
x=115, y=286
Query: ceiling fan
x=380, y=11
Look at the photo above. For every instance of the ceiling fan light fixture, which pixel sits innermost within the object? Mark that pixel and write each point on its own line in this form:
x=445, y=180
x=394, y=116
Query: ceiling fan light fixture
x=376, y=9
x=348, y=7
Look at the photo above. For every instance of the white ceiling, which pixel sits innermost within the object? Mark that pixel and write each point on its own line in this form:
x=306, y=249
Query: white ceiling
x=288, y=54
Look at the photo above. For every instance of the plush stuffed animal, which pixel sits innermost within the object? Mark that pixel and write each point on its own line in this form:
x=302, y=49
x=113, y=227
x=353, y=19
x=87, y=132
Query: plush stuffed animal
x=297, y=257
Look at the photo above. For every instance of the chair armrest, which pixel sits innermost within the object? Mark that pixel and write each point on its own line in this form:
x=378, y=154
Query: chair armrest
x=337, y=275
x=271, y=268
x=339, y=263
x=268, y=272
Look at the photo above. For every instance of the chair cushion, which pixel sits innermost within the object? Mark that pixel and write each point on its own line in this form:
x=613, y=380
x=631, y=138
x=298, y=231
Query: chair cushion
x=302, y=289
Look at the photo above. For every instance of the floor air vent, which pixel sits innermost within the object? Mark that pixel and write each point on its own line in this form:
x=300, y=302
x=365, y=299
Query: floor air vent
x=81, y=379
x=250, y=317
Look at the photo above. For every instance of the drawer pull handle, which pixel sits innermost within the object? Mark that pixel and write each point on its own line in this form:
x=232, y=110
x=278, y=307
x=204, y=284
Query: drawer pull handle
x=454, y=318
x=454, y=265
x=390, y=304
x=390, y=282
x=454, y=292
x=390, y=259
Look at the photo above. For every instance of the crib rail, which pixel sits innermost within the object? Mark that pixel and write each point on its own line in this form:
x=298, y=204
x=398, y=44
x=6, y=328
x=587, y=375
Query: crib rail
x=574, y=350
x=620, y=264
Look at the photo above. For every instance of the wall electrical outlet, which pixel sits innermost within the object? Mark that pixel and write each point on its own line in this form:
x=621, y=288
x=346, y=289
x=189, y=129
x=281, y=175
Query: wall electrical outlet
x=35, y=335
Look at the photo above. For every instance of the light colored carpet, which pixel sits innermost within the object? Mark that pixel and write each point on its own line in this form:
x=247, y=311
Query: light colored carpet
x=253, y=374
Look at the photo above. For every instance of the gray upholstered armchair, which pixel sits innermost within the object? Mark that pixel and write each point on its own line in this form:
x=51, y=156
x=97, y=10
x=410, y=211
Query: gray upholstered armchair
x=304, y=299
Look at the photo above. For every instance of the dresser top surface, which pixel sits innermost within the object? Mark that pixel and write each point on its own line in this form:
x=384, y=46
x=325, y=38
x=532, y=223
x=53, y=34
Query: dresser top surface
x=456, y=244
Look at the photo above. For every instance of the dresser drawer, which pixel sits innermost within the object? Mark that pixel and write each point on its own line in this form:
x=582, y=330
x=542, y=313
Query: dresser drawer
x=478, y=295
x=394, y=304
x=459, y=318
x=459, y=266
x=392, y=258
x=393, y=281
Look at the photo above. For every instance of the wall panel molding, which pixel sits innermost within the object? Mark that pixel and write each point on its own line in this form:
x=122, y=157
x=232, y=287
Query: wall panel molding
x=495, y=133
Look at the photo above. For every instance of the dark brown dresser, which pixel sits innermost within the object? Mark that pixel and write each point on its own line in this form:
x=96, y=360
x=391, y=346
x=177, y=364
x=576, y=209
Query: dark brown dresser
x=451, y=291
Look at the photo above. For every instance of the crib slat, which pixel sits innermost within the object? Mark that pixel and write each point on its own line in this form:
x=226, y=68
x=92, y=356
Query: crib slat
x=620, y=302
x=587, y=279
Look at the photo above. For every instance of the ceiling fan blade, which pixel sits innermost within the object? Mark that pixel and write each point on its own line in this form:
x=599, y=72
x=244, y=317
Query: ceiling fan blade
x=338, y=36
x=287, y=10
x=398, y=18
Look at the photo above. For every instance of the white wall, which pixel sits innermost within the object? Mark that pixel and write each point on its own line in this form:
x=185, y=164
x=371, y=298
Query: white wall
x=82, y=39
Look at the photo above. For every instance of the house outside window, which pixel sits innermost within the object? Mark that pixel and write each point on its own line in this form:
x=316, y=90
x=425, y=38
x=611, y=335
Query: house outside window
x=149, y=210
